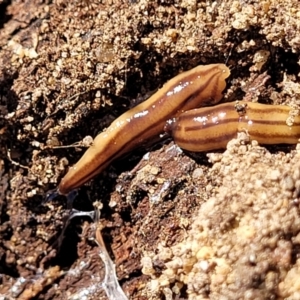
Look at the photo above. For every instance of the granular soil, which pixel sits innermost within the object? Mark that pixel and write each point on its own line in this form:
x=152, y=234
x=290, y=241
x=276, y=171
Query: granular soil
x=217, y=225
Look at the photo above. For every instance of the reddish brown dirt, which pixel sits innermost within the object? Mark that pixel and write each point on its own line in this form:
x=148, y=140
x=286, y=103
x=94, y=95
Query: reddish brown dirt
x=67, y=71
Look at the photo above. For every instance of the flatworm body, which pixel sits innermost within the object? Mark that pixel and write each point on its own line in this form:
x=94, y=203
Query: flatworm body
x=211, y=128
x=197, y=87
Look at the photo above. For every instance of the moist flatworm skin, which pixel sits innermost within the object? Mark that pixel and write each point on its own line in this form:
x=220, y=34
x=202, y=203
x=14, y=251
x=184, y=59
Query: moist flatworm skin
x=211, y=128
x=200, y=86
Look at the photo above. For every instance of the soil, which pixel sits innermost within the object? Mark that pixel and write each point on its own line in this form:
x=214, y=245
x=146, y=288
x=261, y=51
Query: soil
x=178, y=225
